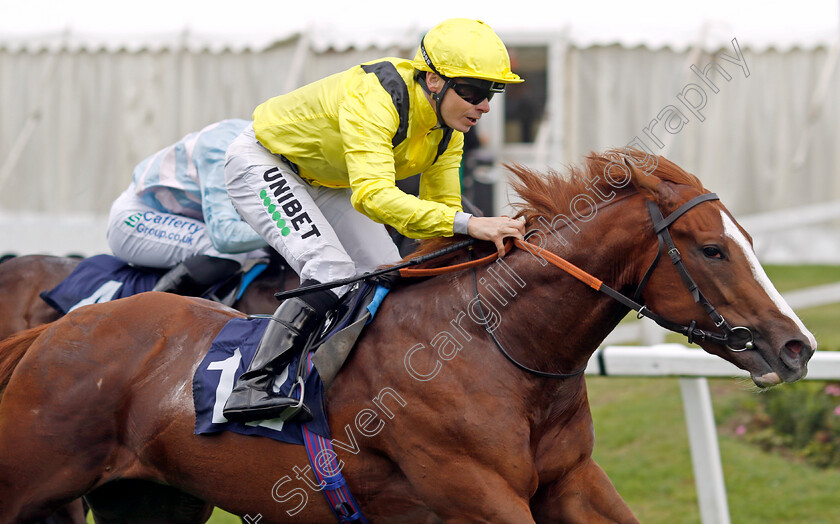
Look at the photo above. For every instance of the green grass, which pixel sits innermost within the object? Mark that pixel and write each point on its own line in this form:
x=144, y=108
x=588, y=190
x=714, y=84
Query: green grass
x=641, y=443
x=822, y=321
x=789, y=278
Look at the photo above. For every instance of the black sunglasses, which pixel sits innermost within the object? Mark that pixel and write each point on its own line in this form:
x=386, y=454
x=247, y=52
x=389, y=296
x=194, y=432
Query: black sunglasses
x=475, y=94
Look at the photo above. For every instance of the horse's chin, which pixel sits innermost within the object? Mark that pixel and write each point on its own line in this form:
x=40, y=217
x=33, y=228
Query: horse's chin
x=767, y=380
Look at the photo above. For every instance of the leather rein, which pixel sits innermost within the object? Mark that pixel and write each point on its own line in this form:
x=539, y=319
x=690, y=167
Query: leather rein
x=666, y=244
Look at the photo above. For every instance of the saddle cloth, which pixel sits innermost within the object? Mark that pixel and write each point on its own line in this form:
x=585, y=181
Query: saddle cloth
x=96, y=279
x=234, y=347
x=229, y=356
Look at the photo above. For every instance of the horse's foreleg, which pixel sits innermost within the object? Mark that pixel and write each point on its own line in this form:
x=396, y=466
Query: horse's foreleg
x=467, y=492
x=584, y=496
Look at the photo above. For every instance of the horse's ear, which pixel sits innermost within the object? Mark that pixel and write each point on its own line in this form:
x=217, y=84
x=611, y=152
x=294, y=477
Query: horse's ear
x=651, y=186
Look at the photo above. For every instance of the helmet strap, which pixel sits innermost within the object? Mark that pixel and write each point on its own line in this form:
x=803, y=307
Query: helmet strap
x=437, y=97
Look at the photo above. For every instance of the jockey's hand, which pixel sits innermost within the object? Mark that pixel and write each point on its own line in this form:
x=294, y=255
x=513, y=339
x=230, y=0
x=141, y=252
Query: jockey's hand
x=495, y=229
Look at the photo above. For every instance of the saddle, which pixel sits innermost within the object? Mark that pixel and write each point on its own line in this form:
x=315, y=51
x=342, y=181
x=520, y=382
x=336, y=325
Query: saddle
x=330, y=342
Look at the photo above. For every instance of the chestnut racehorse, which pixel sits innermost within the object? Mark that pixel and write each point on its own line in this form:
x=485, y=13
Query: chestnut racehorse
x=23, y=278
x=435, y=423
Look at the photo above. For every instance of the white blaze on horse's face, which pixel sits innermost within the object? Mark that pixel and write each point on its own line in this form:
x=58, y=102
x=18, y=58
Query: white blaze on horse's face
x=732, y=231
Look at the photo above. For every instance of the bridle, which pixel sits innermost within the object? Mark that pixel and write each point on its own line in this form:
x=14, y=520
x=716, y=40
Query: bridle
x=691, y=331
x=666, y=244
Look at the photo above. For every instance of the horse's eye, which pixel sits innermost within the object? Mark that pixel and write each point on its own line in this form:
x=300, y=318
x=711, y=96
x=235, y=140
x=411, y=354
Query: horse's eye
x=712, y=252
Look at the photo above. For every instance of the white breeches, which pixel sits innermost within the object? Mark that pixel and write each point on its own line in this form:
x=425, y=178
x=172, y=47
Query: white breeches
x=142, y=235
x=316, y=229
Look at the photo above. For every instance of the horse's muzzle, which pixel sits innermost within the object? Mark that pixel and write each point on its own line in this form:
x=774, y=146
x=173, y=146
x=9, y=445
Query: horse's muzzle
x=790, y=365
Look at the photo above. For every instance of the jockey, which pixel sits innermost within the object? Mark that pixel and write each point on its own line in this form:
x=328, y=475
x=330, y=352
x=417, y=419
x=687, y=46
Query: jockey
x=315, y=176
x=176, y=212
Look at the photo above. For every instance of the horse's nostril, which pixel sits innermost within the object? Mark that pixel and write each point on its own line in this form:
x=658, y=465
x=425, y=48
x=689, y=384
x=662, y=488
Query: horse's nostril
x=796, y=353
x=794, y=346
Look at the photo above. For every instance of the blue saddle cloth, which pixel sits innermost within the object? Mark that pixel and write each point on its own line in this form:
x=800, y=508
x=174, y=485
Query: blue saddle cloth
x=229, y=356
x=96, y=279
x=233, y=349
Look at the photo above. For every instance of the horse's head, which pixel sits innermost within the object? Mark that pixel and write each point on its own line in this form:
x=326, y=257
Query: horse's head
x=762, y=333
x=690, y=263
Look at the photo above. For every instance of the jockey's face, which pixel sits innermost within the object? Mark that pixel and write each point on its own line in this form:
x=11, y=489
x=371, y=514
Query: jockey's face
x=458, y=112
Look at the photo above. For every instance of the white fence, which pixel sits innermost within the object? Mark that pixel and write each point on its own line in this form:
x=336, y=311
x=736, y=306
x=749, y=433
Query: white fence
x=648, y=333
x=60, y=235
x=693, y=366
x=656, y=359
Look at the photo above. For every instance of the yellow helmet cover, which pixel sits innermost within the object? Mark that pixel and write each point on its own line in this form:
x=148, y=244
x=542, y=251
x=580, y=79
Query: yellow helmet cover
x=465, y=48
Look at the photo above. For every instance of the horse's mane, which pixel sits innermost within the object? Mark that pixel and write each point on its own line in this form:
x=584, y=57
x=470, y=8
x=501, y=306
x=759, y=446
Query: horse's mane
x=551, y=193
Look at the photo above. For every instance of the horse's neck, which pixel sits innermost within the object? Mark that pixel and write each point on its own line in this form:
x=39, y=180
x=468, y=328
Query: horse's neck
x=558, y=321
x=544, y=318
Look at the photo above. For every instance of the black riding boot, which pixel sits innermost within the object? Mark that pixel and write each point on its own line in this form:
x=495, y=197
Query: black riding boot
x=196, y=275
x=252, y=397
